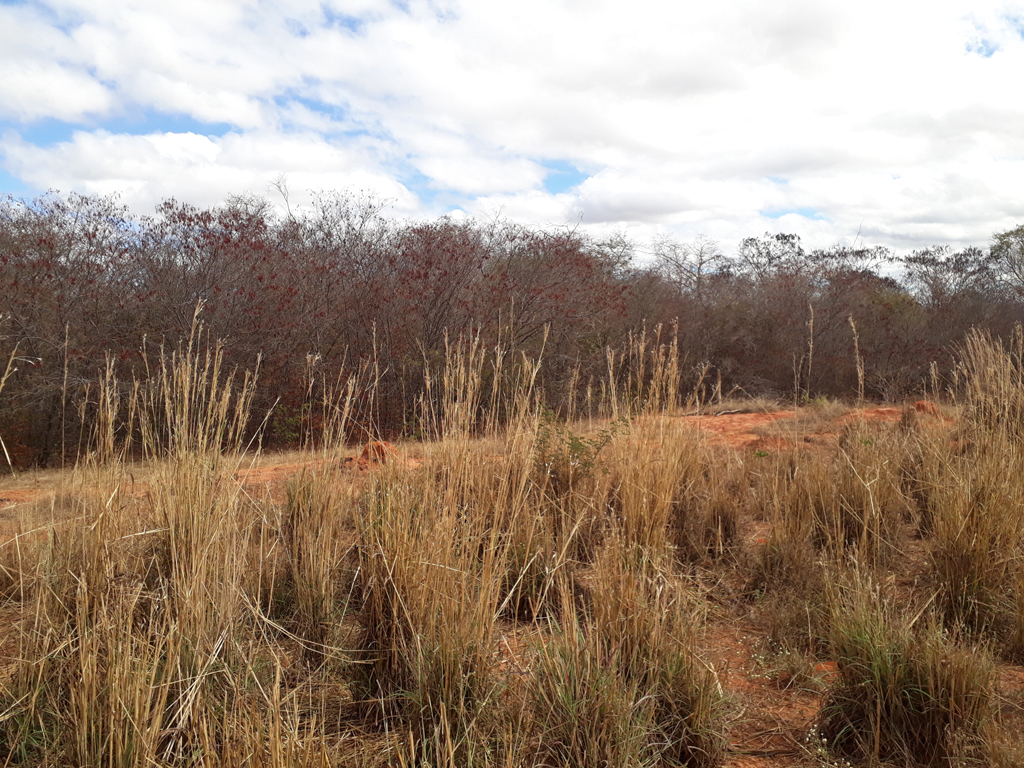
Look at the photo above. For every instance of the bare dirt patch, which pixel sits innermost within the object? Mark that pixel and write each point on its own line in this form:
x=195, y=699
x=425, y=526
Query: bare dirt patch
x=271, y=476
x=767, y=431
x=884, y=414
x=739, y=430
x=770, y=721
x=12, y=497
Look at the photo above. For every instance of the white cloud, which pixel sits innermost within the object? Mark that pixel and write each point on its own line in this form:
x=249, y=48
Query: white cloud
x=43, y=77
x=31, y=90
x=895, y=120
x=147, y=169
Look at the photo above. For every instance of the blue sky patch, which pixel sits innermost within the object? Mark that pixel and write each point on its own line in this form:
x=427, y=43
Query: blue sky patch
x=335, y=112
x=982, y=47
x=11, y=185
x=296, y=28
x=1017, y=24
x=420, y=185
x=778, y=180
x=153, y=122
x=562, y=176
x=42, y=133
x=336, y=20
x=49, y=132
x=64, y=19
x=433, y=197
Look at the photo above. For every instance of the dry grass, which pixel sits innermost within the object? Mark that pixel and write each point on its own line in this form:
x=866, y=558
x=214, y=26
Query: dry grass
x=170, y=614
x=742, y=404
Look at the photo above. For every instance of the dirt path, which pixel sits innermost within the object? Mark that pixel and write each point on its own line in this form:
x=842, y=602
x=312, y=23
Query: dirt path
x=770, y=721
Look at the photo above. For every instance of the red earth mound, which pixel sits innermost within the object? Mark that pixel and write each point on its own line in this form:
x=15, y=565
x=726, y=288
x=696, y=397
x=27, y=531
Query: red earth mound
x=376, y=451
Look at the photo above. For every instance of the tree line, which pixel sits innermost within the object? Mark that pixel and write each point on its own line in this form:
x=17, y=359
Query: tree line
x=86, y=286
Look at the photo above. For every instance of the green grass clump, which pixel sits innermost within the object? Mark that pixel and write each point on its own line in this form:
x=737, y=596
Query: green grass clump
x=904, y=694
x=624, y=686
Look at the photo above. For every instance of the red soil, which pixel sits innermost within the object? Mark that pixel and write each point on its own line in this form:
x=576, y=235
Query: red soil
x=745, y=430
x=13, y=497
x=376, y=451
x=877, y=414
x=739, y=430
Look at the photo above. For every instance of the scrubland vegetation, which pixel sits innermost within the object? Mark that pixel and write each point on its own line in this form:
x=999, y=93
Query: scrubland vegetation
x=519, y=587
x=339, y=284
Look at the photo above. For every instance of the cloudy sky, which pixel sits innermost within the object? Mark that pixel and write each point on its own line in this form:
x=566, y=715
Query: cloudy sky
x=881, y=121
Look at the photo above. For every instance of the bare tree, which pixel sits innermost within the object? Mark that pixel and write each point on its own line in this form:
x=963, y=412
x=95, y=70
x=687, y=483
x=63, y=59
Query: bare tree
x=765, y=255
x=1008, y=255
x=687, y=264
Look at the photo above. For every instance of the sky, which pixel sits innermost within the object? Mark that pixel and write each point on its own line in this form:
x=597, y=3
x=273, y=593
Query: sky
x=881, y=122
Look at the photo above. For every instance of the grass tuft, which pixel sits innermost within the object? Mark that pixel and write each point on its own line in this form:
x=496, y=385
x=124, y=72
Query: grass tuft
x=904, y=693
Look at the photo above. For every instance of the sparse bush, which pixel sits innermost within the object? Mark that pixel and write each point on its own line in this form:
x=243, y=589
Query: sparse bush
x=785, y=666
x=566, y=460
x=978, y=521
x=867, y=511
x=788, y=581
x=587, y=714
x=705, y=515
x=532, y=585
x=431, y=576
x=991, y=378
x=975, y=499
x=849, y=504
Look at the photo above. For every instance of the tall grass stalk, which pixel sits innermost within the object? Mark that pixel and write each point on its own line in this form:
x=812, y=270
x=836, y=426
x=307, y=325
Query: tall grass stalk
x=435, y=558
x=990, y=375
x=975, y=499
x=135, y=611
